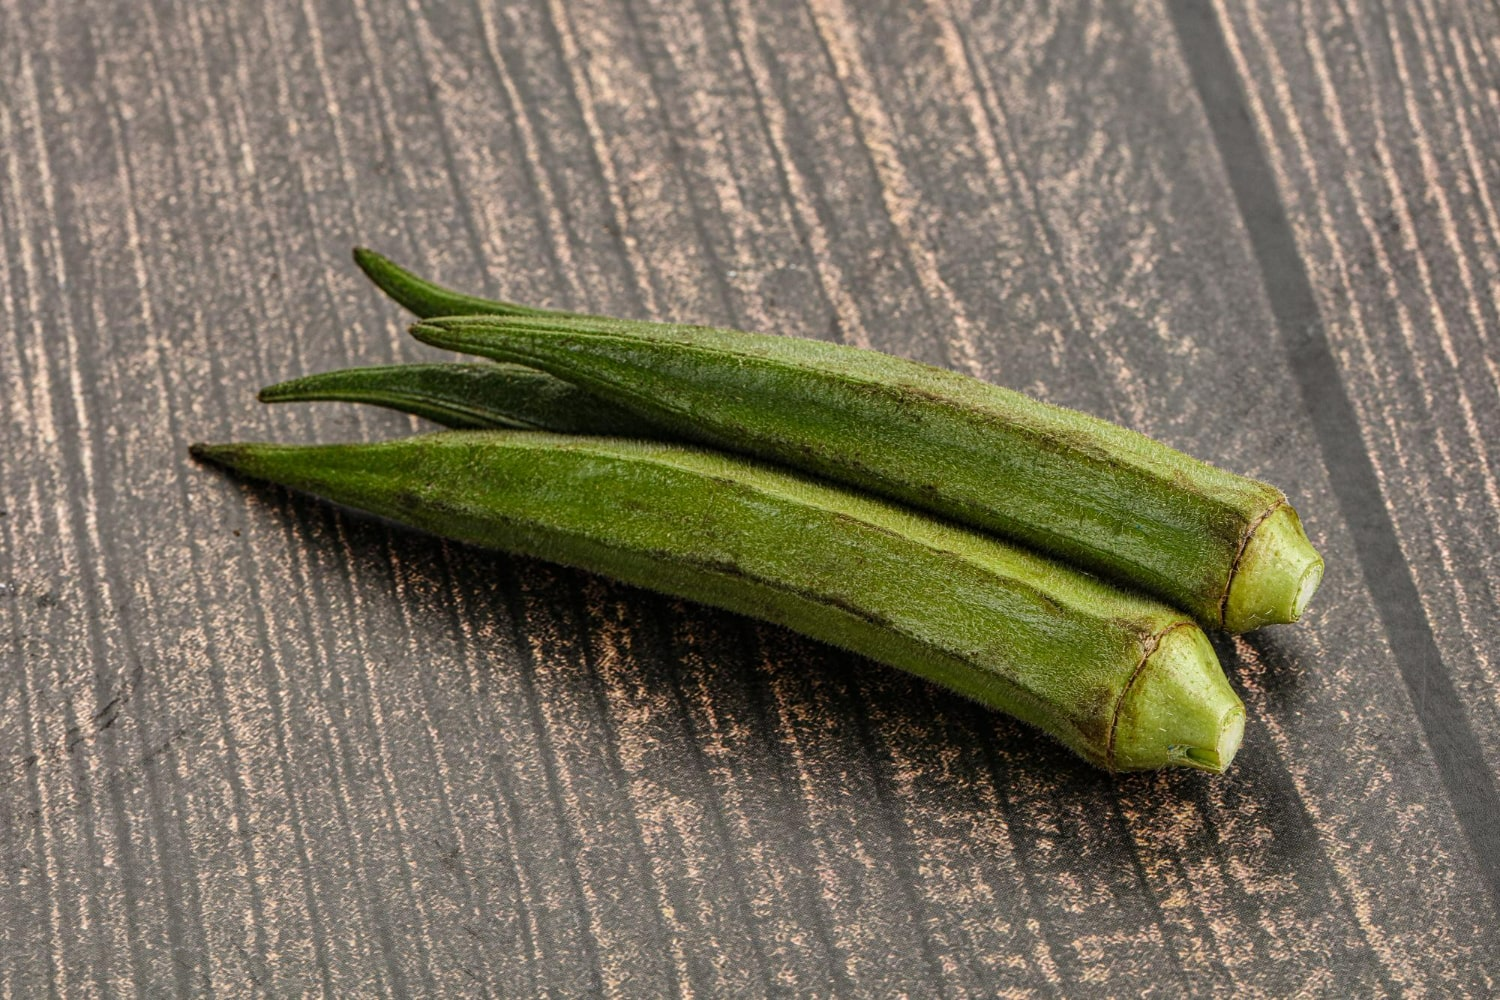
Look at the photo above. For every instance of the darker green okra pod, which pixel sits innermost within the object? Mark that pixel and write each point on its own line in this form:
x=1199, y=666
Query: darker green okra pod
x=1125, y=681
x=1226, y=548
x=1229, y=549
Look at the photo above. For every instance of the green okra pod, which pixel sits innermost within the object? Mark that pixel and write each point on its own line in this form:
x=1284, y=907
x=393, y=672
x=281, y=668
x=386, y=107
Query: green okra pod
x=1229, y=549
x=471, y=396
x=1226, y=548
x=1125, y=681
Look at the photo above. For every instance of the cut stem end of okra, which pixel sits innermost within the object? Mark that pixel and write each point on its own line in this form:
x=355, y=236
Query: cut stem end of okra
x=1231, y=731
x=1179, y=710
x=1276, y=575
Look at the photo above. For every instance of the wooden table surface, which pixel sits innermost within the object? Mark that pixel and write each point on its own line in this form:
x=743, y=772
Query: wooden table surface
x=251, y=745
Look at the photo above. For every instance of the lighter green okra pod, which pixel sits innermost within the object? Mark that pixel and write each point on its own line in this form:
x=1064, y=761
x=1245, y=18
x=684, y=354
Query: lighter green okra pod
x=1125, y=681
x=1228, y=549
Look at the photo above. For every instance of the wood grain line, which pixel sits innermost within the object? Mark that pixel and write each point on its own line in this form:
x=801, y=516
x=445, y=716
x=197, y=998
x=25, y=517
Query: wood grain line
x=1460, y=78
x=14, y=703
x=989, y=120
x=1473, y=299
x=581, y=91
x=878, y=136
x=403, y=579
x=238, y=788
x=30, y=414
x=524, y=642
x=1363, y=323
x=75, y=521
x=742, y=874
x=796, y=187
x=1454, y=454
x=976, y=93
x=554, y=220
x=1393, y=972
x=1436, y=192
x=183, y=930
x=231, y=131
x=324, y=627
x=722, y=300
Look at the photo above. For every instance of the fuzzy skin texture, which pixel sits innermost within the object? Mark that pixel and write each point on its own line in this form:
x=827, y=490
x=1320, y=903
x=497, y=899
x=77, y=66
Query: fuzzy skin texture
x=1017, y=632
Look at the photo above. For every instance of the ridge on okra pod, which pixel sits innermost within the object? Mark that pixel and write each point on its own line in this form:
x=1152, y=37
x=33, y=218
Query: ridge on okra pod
x=1124, y=680
x=1226, y=548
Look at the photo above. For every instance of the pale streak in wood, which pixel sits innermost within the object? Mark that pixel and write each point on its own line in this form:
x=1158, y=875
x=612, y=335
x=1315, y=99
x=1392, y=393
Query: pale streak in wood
x=359, y=762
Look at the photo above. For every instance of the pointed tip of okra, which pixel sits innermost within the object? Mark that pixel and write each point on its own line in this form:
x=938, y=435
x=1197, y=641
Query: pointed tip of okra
x=409, y=291
x=386, y=275
x=281, y=392
x=369, y=261
x=1179, y=709
x=216, y=454
x=327, y=386
x=1276, y=575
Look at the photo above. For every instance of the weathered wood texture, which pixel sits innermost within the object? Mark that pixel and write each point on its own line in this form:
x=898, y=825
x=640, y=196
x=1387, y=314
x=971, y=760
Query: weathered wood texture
x=251, y=745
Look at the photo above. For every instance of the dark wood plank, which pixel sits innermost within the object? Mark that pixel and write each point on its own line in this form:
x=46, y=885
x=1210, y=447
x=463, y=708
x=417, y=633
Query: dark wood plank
x=253, y=745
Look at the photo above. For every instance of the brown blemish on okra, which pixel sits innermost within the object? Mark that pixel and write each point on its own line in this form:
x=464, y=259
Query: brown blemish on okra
x=1054, y=647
